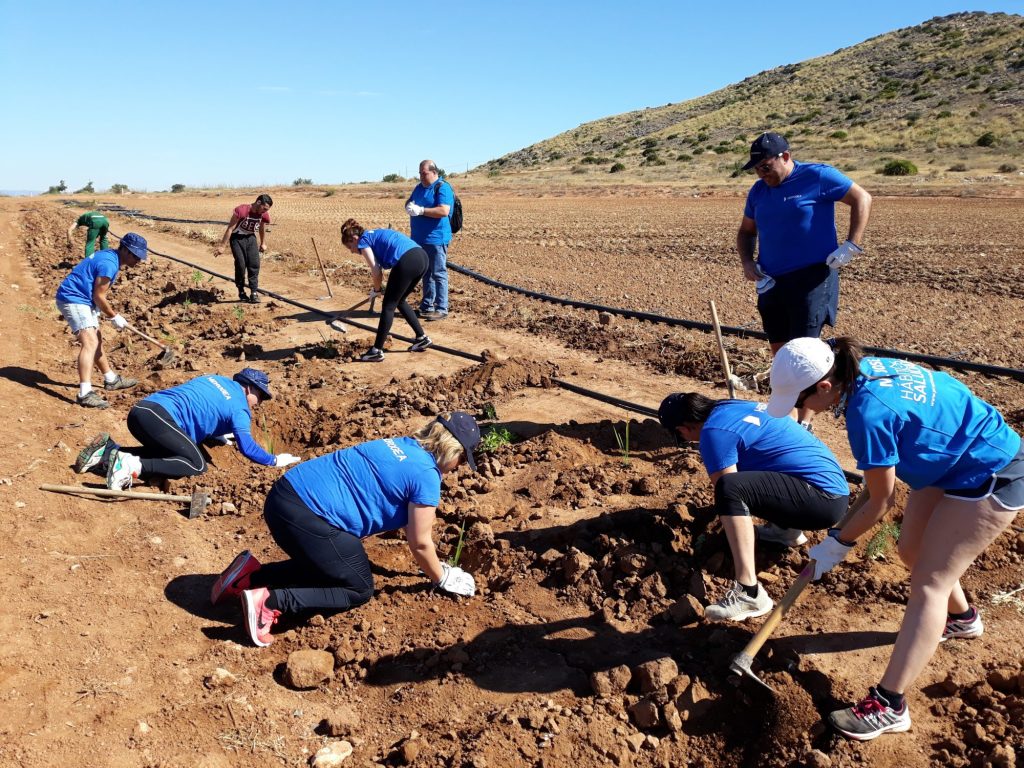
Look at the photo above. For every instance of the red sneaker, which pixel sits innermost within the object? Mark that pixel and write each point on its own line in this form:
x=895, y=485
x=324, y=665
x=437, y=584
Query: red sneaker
x=258, y=618
x=235, y=577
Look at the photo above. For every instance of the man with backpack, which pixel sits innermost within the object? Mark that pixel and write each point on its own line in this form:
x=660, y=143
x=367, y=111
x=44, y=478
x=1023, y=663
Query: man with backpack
x=429, y=207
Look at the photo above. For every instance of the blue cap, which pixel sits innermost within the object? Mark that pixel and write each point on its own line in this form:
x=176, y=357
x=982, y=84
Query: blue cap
x=136, y=244
x=765, y=146
x=464, y=428
x=256, y=378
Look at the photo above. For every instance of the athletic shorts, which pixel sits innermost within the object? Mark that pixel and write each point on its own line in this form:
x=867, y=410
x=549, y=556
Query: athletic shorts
x=800, y=304
x=79, y=316
x=1006, y=487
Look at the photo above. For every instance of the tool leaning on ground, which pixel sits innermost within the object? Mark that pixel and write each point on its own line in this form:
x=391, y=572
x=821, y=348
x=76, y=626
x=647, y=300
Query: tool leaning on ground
x=168, y=355
x=335, y=322
x=741, y=662
x=198, y=501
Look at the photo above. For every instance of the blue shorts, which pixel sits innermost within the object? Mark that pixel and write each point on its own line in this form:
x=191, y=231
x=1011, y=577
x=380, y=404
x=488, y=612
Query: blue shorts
x=800, y=304
x=79, y=316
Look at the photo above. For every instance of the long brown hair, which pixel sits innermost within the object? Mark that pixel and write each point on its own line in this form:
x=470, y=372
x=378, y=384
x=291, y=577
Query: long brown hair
x=351, y=230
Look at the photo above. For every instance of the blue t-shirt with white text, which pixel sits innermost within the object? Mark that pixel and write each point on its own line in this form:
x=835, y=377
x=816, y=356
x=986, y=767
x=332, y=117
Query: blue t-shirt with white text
x=426, y=230
x=926, y=424
x=388, y=245
x=796, y=223
x=77, y=287
x=741, y=433
x=367, y=489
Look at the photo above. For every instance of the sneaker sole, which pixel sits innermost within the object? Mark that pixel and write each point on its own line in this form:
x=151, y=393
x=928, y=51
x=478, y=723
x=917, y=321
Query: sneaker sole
x=250, y=620
x=743, y=616
x=229, y=576
x=91, y=455
x=898, y=728
x=962, y=635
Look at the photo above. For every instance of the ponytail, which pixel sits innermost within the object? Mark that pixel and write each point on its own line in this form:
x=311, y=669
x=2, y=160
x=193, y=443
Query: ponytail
x=351, y=231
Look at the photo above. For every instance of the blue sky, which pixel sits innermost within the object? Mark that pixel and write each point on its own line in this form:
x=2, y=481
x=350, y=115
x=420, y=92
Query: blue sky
x=249, y=93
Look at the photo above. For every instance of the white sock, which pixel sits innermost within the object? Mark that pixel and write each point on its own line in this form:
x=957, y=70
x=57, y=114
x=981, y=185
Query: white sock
x=84, y=388
x=110, y=377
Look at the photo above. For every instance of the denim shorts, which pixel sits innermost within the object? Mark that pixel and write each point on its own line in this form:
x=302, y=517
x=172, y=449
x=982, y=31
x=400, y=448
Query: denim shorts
x=79, y=316
x=1006, y=487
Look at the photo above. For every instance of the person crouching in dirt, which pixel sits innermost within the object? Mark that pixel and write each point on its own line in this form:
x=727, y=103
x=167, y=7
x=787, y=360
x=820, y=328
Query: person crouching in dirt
x=171, y=424
x=320, y=510
x=965, y=468
x=388, y=249
x=771, y=468
x=82, y=297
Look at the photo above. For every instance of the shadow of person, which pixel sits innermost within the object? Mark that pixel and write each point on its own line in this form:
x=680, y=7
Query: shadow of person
x=191, y=591
x=35, y=380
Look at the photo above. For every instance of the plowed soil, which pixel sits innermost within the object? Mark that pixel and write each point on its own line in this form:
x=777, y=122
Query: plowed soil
x=595, y=546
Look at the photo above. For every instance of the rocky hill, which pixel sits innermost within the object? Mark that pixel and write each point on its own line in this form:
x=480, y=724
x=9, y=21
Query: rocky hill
x=947, y=95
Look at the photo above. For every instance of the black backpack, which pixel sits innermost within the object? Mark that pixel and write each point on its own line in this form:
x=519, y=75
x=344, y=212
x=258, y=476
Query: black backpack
x=455, y=215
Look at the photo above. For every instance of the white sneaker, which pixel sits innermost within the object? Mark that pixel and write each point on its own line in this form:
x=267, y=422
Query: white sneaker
x=122, y=469
x=737, y=606
x=774, y=534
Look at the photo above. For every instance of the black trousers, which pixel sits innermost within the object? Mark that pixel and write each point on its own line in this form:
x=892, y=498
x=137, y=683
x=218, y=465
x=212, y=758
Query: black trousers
x=405, y=276
x=246, y=250
x=328, y=568
x=166, y=450
x=785, y=500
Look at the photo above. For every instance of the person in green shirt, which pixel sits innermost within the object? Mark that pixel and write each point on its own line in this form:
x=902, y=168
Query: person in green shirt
x=97, y=229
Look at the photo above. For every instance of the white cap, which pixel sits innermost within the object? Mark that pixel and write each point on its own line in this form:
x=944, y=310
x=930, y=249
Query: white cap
x=801, y=363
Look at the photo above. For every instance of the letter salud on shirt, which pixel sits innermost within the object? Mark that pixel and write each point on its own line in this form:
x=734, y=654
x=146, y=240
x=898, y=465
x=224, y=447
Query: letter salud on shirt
x=742, y=433
x=796, y=223
x=211, y=406
x=388, y=246
x=367, y=489
x=77, y=287
x=247, y=225
x=427, y=230
x=927, y=424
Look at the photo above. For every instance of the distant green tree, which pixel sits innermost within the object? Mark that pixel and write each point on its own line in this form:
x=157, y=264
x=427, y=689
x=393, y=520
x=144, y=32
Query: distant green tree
x=987, y=139
x=617, y=168
x=899, y=168
x=118, y=189
x=86, y=190
x=177, y=187
x=392, y=178
x=58, y=188
x=301, y=182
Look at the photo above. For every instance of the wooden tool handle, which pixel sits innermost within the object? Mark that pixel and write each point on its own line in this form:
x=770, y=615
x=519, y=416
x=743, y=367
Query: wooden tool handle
x=112, y=493
x=148, y=338
x=323, y=271
x=721, y=350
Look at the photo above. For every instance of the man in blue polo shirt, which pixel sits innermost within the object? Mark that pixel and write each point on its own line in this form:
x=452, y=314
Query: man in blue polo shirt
x=82, y=297
x=790, y=217
x=428, y=207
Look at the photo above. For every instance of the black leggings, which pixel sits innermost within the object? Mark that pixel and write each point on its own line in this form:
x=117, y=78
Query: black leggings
x=246, y=251
x=328, y=569
x=785, y=500
x=405, y=276
x=166, y=450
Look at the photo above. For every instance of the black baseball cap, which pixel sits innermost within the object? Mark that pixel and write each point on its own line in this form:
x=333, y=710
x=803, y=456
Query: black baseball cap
x=464, y=428
x=765, y=146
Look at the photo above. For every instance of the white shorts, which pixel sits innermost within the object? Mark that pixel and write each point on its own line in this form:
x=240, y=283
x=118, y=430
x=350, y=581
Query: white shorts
x=79, y=316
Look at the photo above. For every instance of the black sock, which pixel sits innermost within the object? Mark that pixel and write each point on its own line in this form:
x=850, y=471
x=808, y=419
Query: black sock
x=894, y=700
x=749, y=591
x=271, y=603
x=967, y=615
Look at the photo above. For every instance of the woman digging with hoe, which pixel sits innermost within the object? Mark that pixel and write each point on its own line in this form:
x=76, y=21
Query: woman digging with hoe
x=965, y=469
x=320, y=511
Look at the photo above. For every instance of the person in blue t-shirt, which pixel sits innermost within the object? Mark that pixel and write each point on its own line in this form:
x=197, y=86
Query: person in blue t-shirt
x=429, y=205
x=81, y=298
x=790, y=217
x=172, y=423
x=320, y=511
x=387, y=249
x=772, y=468
x=965, y=469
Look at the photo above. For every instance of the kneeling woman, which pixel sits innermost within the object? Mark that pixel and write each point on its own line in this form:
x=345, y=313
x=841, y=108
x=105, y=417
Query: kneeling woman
x=320, y=510
x=387, y=249
x=965, y=468
x=771, y=468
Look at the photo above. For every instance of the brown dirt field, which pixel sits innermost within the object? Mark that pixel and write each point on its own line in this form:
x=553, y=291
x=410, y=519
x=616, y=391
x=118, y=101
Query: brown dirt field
x=588, y=561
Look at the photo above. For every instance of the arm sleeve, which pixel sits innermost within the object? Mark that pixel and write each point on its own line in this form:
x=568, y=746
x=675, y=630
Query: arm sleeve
x=834, y=184
x=425, y=489
x=718, y=449
x=872, y=433
x=446, y=195
x=247, y=446
x=748, y=207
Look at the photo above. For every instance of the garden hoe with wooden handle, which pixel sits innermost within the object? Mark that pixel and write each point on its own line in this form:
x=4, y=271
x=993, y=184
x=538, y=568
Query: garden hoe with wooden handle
x=741, y=662
x=335, y=322
x=197, y=502
x=168, y=354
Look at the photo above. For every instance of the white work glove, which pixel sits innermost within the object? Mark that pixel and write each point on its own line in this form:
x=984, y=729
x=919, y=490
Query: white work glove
x=284, y=459
x=119, y=322
x=374, y=293
x=456, y=581
x=843, y=255
x=764, y=282
x=228, y=439
x=413, y=210
x=828, y=553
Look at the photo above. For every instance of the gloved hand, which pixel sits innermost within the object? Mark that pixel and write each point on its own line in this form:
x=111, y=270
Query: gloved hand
x=456, y=581
x=119, y=322
x=374, y=292
x=413, y=210
x=284, y=459
x=764, y=282
x=843, y=255
x=828, y=553
x=228, y=439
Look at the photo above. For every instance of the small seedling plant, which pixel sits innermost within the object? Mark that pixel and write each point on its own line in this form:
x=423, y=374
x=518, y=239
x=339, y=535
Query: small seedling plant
x=268, y=437
x=454, y=559
x=622, y=440
x=882, y=542
x=239, y=313
x=495, y=437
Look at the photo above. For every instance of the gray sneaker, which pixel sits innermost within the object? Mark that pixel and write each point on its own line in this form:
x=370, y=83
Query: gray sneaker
x=92, y=400
x=92, y=454
x=120, y=383
x=736, y=606
x=774, y=534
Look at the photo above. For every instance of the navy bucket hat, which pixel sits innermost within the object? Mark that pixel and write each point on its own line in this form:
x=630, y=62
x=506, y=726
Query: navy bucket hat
x=136, y=245
x=256, y=378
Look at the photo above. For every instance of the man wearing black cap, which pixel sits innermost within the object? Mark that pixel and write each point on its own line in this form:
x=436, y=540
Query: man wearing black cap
x=790, y=216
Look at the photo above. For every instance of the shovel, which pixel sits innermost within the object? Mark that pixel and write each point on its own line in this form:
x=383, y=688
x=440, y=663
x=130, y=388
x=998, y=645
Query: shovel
x=168, y=354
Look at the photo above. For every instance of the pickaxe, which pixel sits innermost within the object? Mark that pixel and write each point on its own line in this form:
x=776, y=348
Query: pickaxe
x=197, y=502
